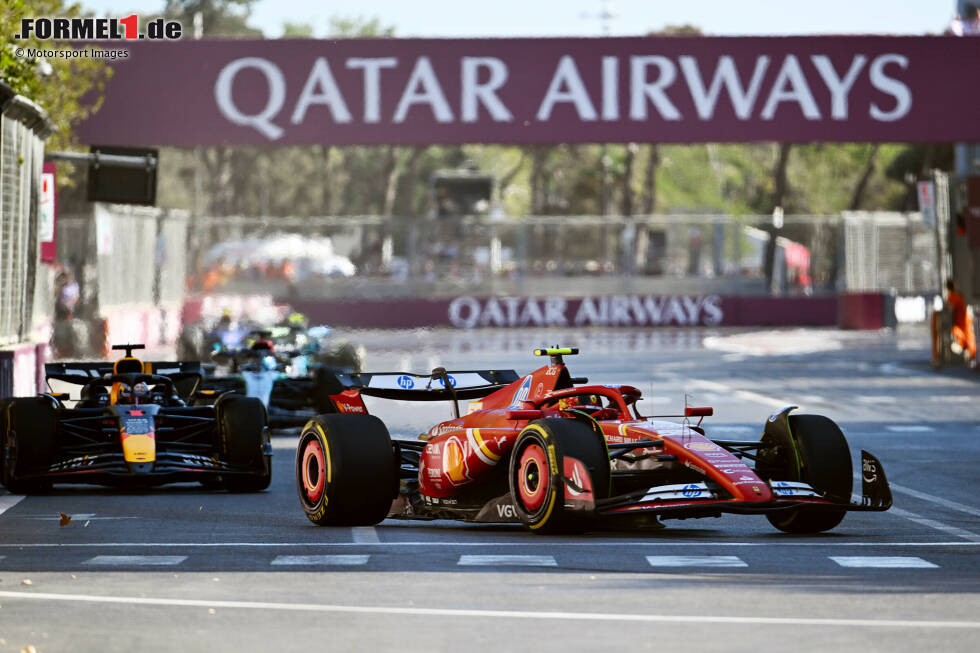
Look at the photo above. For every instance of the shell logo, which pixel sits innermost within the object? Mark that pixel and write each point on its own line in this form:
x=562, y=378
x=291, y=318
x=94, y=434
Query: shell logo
x=453, y=462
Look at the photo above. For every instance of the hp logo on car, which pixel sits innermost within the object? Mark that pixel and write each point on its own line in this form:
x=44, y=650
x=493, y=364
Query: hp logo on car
x=406, y=382
x=691, y=490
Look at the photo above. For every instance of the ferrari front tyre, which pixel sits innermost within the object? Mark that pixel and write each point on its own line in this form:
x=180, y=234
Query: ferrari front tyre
x=826, y=465
x=537, y=485
x=346, y=472
x=28, y=440
x=244, y=443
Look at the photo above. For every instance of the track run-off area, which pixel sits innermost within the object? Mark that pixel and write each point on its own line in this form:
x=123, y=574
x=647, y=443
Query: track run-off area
x=181, y=567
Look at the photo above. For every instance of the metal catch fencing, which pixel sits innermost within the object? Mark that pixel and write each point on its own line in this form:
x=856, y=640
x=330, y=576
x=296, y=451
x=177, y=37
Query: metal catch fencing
x=23, y=128
x=125, y=256
x=554, y=254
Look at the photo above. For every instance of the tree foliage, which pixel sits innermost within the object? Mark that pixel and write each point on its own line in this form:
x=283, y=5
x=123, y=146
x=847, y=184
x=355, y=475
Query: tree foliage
x=69, y=90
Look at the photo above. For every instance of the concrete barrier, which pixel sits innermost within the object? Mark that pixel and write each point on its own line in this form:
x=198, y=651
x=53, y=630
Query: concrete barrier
x=864, y=310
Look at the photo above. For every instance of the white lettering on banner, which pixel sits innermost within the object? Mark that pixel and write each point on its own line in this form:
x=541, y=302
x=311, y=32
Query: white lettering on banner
x=372, y=83
x=567, y=86
x=617, y=310
x=653, y=80
x=610, y=88
x=725, y=74
x=839, y=88
x=277, y=95
x=641, y=90
x=423, y=88
x=554, y=311
x=473, y=92
x=791, y=75
x=890, y=85
x=321, y=88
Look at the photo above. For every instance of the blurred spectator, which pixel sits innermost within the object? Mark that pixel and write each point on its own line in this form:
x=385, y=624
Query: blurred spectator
x=964, y=339
x=956, y=27
x=66, y=295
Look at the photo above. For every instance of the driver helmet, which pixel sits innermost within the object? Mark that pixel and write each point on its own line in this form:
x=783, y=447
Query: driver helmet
x=297, y=320
x=141, y=392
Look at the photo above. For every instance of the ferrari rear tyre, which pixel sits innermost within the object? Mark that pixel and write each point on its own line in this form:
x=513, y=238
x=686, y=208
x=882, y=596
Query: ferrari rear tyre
x=537, y=485
x=346, y=473
x=244, y=442
x=28, y=440
x=826, y=465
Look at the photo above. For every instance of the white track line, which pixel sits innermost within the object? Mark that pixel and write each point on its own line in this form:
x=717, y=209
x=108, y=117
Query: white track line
x=909, y=428
x=953, y=505
x=939, y=526
x=696, y=561
x=741, y=394
x=883, y=562
x=661, y=544
x=501, y=614
x=8, y=501
x=365, y=535
x=506, y=561
x=344, y=560
x=136, y=561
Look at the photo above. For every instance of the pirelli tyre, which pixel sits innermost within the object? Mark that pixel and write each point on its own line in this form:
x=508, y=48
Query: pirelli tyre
x=28, y=439
x=824, y=463
x=346, y=472
x=537, y=485
x=244, y=442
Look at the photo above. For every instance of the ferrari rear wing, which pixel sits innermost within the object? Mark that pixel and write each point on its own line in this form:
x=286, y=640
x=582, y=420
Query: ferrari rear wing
x=440, y=385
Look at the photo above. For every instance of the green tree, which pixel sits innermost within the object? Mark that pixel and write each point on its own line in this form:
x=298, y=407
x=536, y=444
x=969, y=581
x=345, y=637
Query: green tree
x=69, y=89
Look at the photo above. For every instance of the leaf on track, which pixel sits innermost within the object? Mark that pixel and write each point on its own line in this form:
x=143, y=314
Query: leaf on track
x=65, y=519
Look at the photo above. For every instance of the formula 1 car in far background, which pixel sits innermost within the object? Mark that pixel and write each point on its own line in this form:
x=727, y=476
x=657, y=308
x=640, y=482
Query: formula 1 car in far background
x=288, y=376
x=556, y=454
x=131, y=425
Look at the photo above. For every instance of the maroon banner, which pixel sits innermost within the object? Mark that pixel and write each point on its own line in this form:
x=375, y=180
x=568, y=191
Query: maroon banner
x=572, y=90
x=605, y=311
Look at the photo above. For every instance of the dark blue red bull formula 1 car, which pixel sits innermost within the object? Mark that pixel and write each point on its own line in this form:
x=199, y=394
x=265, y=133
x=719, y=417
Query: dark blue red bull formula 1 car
x=555, y=453
x=133, y=423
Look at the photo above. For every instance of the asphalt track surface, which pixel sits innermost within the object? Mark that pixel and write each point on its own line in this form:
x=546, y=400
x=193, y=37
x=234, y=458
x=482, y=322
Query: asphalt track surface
x=180, y=568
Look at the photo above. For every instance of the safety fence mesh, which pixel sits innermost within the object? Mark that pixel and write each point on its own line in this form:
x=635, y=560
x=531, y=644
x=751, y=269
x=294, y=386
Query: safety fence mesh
x=22, y=131
x=592, y=254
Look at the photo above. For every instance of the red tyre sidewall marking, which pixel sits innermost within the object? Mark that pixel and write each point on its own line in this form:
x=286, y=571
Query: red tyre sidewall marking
x=534, y=454
x=314, y=450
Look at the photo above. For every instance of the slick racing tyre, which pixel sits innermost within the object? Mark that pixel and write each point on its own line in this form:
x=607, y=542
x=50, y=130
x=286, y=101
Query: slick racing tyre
x=536, y=481
x=244, y=442
x=28, y=440
x=826, y=465
x=346, y=473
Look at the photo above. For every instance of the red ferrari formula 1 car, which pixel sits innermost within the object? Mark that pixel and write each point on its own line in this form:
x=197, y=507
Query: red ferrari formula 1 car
x=552, y=452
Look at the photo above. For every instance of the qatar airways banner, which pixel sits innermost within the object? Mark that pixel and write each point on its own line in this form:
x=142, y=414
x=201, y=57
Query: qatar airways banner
x=605, y=311
x=572, y=90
